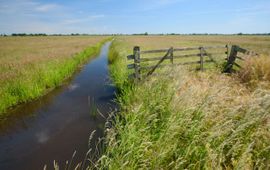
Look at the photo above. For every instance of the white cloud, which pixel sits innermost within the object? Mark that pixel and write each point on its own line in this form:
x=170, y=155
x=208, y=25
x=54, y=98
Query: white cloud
x=82, y=20
x=250, y=10
x=26, y=6
x=166, y=2
x=157, y=4
x=97, y=16
x=46, y=7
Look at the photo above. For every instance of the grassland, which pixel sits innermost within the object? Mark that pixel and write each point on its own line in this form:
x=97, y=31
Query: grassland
x=31, y=66
x=189, y=119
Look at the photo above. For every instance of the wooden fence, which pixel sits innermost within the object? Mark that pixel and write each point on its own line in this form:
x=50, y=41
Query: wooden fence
x=233, y=57
x=170, y=55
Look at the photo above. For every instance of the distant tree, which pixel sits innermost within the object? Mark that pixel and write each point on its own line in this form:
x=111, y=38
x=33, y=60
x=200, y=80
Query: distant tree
x=74, y=34
x=146, y=33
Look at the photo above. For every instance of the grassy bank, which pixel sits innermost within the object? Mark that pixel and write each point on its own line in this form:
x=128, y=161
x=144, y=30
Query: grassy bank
x=31, y=66
x=188, y=119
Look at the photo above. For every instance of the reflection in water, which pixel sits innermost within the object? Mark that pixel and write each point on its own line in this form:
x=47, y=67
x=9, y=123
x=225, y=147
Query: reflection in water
x=15, y=121
x=42, y=136
x=54, y=126
x=73, y=86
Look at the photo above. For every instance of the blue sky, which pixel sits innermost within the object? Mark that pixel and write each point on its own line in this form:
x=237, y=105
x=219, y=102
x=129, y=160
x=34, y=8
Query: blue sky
x=134, y=16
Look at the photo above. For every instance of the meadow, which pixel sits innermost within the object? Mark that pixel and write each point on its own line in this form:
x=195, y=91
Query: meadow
x=189, y=119
x=32, y=66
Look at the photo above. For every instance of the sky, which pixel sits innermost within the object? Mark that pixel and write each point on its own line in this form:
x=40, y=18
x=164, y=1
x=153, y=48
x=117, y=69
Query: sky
x=134, y=16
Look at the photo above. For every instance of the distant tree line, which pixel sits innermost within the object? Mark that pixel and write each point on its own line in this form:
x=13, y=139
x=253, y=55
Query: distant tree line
x=43, y=34
x=137, y=34
x=146, y=33
x=215, y=34
x=24, y=34
x=253, y=34
x=263, y=34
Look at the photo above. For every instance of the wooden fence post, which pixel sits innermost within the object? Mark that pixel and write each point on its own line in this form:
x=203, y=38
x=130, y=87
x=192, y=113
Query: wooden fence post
x=231, y=59
x=201, y=58
x=172, y=55
x=136, y=53
x=227, y=51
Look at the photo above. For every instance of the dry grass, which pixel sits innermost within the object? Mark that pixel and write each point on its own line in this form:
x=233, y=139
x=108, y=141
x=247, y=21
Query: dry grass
x=256, y=71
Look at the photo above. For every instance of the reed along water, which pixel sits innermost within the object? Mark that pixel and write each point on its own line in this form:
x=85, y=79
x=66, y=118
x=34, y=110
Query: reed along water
x=59, y=123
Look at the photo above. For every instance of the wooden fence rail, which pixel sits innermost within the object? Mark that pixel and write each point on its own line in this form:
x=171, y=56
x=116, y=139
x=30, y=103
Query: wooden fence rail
x=169, y=55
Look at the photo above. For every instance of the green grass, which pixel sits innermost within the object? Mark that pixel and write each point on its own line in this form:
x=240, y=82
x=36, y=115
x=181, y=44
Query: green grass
x=39, y=79
x=186, y=120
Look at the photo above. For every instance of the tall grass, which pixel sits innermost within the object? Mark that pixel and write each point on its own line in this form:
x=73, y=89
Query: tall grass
x=256, y=71
x=187, y=120
x=39, y=79
x=118, y=69
x=119, y=73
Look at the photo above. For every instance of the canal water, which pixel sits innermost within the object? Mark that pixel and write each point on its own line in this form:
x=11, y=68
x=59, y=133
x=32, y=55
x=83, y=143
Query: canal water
x=59, y=123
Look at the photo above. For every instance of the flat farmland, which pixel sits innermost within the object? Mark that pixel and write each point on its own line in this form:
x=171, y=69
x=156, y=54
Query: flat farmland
x=29, y=66
x=260, y=44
